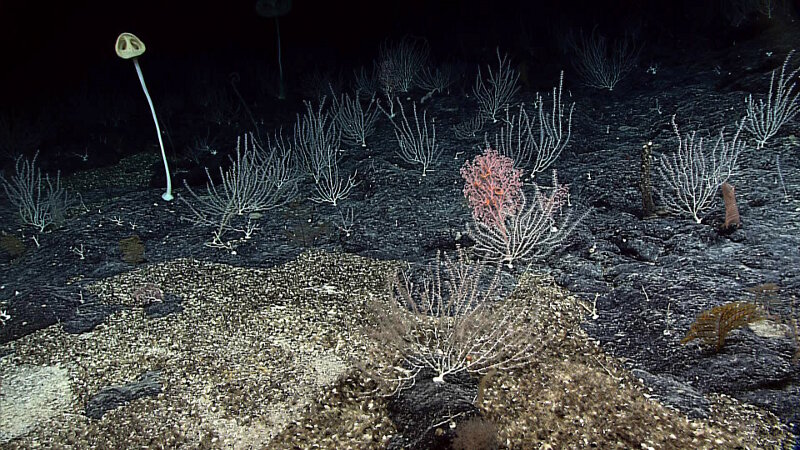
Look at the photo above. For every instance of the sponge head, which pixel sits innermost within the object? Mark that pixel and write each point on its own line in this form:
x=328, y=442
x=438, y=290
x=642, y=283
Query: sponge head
x=129, y=46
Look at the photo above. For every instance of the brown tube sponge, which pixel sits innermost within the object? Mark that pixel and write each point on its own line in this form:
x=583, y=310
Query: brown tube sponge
x=731, y=210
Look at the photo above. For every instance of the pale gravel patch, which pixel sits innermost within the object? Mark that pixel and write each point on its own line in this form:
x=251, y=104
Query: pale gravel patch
x=265, y=359
x=251, y=348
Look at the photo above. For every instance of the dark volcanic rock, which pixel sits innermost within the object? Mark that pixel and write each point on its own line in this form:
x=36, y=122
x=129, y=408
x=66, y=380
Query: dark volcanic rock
x=423, y=411
x=115, y=396
x=75, y=309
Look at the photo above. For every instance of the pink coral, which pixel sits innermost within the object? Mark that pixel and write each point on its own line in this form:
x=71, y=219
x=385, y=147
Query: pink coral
x=493, y=187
